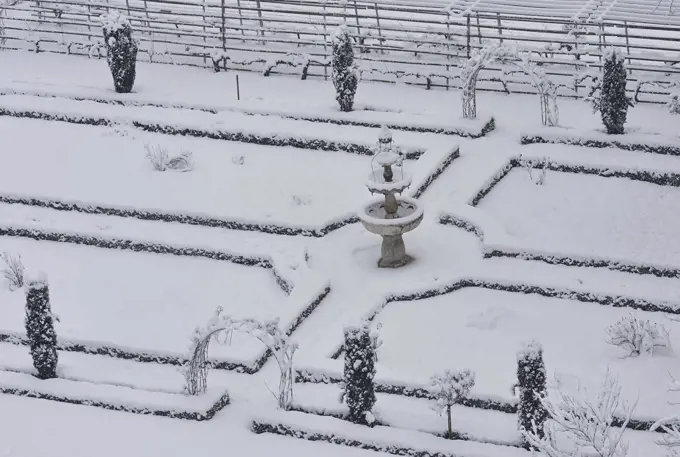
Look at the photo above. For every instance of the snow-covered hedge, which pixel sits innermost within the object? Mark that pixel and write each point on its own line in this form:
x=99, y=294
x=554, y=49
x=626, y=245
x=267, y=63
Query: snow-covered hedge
x=108, y=397
x=310, y=297
x=627, y=142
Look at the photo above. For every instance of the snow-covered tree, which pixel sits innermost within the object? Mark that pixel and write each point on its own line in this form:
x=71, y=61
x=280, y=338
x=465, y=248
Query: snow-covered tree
x=582, y=426
x=361, y=345
x=637, y=335
x=344, y=74
x=121, y=50
x=531, y=384
x=40, y=331
x=448, y=389
x=613, y=102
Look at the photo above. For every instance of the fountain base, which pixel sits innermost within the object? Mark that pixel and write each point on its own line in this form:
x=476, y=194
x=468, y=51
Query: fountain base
x=393, y=252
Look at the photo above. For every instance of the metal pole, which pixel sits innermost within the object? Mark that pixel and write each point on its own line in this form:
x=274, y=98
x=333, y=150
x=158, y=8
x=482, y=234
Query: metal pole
x=468, y=36
x=238, y=89
x=377, y=19
x=224, y=36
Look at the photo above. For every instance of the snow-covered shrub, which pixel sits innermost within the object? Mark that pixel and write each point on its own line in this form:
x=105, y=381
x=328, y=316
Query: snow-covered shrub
x=531, y=383
x=302, y=200
x=479, y=59
x=121, y=50
x=674, y=103
x=613, y=103
x=160, y=160
x=637, y=335
x=14, y=270
x=449, y=389
x=344, y=74
x=580, y=426
x=238, y=160
x=360, y=357
x=40, y=331
x=537, y=169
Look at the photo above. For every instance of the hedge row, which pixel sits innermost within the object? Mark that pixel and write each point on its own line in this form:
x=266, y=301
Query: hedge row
x=665, y=149
x=489, y=126
x=215, y=134
x=453, y=155
x=305, y=376
x=148, y=357
x=260, y=427
x=170, y=413
x=177, y=217
x=138, y=246
x=658, y=178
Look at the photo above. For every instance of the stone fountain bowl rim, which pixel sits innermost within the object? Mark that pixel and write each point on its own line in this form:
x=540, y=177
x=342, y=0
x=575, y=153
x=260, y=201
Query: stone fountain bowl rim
x=380, y=186
x=400, y=221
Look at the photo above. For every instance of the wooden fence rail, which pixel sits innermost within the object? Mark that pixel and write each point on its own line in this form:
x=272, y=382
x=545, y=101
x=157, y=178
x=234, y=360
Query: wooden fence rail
x=417, y=43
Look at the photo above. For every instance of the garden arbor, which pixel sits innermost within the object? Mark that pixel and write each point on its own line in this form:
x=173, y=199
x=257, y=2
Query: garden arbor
x=480, y=59
x=269, y=333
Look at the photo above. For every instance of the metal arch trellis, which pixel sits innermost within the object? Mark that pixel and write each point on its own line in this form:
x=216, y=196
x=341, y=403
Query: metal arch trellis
x=269, y=333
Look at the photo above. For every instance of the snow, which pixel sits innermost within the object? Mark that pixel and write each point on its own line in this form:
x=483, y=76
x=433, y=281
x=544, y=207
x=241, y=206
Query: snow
x=144, y=301
x=152, y=302
x=482, y=330
x=585, y=215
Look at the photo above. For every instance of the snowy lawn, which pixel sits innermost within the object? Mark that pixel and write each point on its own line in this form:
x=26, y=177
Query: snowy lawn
x=482, y=330
x=95, y=165
x=147, y=302
x=588, y=215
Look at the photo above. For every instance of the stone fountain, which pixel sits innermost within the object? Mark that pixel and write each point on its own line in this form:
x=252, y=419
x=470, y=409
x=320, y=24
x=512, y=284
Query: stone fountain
x=390, y=217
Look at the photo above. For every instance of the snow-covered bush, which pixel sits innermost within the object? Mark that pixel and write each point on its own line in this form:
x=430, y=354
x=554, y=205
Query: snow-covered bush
x=238, y=160
x=121, y=50
x=160, y=160
x=613, y=103
x=344, y=74
x=580, y=426
x=531, y=383
x=674, y=103
x=537, y=169
x=360, y=357
x=637, y=335
x=449, y=389
x=14, y=270
x=40, y=331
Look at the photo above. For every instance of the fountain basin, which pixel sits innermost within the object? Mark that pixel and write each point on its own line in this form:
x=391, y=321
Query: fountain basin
x=409, y=216
x=377, y=185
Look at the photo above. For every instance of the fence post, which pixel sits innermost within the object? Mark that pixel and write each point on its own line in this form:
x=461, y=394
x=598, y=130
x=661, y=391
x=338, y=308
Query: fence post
x=205, y=44
x=479, y=31
x=468, y=36
x=325, y=42
x=259, y=14
x=224, y=34
x=448, y=47
x=356, y=17
x=240, y=18
x=380, y=40
x=630, y=70
x=500, y=28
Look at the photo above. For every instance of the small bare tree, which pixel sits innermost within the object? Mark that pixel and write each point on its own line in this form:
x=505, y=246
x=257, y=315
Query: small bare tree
x=580, y=426
x=637, y=335
x=448, y=389
x=14, y=270
x=671, y=426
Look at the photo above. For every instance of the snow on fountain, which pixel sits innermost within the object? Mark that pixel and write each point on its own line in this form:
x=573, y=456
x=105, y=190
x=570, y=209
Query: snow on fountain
x=390, y=217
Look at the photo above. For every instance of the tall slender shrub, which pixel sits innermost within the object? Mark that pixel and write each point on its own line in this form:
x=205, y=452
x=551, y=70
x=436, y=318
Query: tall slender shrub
x=40, y=331
x=531, y=382
x=343, y=74
x=360, y=357
x=121, y=51
x=613, y=104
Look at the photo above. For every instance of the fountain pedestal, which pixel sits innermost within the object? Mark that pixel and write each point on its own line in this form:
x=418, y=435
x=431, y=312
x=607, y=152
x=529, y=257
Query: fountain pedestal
x=392, y=216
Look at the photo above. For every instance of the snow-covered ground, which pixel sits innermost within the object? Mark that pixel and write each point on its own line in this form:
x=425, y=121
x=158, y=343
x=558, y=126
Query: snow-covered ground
x=151, y=302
